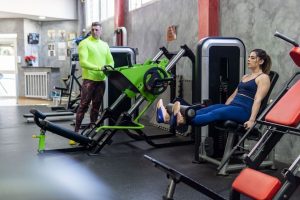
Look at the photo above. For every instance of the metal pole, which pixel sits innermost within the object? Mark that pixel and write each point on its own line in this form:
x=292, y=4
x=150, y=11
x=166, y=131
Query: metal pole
x=175, y=59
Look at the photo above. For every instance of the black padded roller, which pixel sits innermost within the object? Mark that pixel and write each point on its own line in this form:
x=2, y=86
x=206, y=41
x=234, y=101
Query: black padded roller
x=64, y=132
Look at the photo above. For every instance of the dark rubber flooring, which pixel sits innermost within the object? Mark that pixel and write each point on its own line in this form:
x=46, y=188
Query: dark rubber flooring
x=120, y=172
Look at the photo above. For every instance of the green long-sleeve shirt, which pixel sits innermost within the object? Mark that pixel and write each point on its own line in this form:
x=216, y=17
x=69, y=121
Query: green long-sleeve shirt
x=93, y=55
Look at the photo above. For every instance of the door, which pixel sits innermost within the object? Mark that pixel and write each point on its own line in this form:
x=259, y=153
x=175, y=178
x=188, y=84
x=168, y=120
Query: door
x=8, y=69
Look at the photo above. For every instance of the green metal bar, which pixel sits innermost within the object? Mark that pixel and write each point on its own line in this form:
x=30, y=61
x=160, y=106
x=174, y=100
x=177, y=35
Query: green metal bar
x=42, y=141
x=143, y=111
x=139, y=126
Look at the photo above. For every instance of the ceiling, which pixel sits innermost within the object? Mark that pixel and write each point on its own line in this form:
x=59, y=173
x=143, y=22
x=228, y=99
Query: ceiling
x=25, y=16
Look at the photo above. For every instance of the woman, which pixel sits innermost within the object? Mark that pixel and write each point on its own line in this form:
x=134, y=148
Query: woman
x=242, y=106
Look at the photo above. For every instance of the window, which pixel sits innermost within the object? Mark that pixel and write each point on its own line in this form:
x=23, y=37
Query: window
x=134, y=4
x=92, y=11
x=107, y=9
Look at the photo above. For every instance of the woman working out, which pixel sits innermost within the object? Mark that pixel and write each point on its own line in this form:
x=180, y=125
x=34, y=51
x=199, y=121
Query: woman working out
x=242, y=106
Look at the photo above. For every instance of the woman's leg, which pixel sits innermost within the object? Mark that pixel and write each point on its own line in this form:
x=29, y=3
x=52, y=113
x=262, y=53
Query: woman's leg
x=162, y=115
x=220, y=112
x=178, y=118
x=209, y=108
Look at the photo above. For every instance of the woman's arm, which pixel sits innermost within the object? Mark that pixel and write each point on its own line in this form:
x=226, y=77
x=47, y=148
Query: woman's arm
x=229, y=100
x=263, y=86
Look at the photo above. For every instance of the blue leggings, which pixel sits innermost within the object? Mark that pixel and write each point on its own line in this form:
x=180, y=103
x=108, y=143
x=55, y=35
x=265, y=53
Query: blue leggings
x=239, y=110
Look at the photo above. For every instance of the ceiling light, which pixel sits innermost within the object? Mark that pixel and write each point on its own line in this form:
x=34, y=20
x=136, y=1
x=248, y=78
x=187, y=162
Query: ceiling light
x=42, y=17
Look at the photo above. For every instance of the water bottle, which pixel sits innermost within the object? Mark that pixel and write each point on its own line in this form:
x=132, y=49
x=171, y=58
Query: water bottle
x=56, y=98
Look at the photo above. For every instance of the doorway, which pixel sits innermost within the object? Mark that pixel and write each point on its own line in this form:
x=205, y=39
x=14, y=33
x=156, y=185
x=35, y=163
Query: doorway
x=8, y=69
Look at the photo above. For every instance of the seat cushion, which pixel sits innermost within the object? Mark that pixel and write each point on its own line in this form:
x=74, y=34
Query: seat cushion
x=287, y=109
x=256, y=185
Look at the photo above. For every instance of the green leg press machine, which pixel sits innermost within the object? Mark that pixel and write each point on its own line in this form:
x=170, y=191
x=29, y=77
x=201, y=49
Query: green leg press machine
x=143, y=82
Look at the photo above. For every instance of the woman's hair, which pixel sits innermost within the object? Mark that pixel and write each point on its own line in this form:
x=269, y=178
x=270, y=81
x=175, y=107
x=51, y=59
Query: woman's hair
x=266, y=65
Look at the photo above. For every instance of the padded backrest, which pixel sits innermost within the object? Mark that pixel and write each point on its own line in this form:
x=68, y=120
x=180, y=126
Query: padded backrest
x=273, y=79
x=287, y=109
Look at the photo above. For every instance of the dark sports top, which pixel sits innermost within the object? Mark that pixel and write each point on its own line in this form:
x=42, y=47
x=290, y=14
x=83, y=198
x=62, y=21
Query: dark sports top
x=248, y=88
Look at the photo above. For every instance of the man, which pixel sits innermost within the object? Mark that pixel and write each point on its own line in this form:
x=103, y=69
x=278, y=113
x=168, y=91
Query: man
x=93, y=55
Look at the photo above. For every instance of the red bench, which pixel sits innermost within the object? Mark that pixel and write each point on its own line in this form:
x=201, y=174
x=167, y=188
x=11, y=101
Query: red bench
x=256, y=185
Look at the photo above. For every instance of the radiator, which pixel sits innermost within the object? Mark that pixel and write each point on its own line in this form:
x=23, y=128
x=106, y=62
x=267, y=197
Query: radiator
x=36, y=84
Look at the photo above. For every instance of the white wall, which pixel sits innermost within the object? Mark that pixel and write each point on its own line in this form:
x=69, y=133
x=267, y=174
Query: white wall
x=61, y=9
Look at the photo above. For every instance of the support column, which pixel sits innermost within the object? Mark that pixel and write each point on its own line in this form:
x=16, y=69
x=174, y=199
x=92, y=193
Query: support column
x=208, y=14
x=119, y=13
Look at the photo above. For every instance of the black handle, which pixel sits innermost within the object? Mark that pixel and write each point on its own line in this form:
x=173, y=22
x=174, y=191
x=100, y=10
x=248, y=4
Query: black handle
x=285, y=38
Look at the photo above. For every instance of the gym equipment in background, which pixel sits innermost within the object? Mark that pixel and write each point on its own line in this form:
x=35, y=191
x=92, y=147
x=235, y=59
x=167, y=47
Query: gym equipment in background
x=220, y=65
x=68, y=90
x=143, y=82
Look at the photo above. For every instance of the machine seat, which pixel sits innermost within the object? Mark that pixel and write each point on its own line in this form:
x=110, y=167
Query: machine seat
x=236, y=127
x=286, y=111
x=256, y=185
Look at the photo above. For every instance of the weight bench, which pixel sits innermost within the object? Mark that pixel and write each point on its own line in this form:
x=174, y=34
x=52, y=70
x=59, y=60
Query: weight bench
x=257, y=185
x=249, y=183
x=87, y=143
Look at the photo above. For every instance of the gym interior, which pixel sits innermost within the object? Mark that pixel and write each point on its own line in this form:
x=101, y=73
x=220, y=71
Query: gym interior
x=194, y=51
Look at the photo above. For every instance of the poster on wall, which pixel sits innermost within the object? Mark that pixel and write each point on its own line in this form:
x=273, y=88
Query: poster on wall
x=71, y=39
x=72, y=36
x=61, y=50
x=51, y=35
x=61, y=35
x=51, y=49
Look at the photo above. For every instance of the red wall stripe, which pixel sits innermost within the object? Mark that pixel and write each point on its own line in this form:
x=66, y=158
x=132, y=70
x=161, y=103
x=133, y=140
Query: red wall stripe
x=119, y=13
x=208, y=15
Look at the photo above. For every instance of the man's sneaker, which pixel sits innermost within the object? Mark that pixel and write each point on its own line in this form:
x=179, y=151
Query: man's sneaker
x=72, y=142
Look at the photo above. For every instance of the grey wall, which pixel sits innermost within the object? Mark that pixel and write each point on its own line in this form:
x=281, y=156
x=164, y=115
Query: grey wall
x=147, y=29
x=16, y=26
x=68, y=27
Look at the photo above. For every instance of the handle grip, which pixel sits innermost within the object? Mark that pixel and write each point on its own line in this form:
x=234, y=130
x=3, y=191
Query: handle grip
x=285, y=38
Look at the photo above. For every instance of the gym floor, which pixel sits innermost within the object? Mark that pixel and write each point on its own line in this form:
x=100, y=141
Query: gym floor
x=119, y=172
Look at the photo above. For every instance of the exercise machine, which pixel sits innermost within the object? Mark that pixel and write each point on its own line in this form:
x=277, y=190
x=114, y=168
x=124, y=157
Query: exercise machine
x=143, y=82
x=123, y=56
x=281, y=117
x=220, y=65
